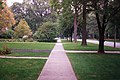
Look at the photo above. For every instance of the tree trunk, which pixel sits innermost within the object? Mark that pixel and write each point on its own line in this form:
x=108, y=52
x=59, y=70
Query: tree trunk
x=84, y=32
x=101, y=33
x=71, y=35
x=119, y=34
x=101, y=41
x=75, y=28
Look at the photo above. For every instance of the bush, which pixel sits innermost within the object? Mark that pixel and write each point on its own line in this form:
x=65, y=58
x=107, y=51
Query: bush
x=44, y=40
x=5, y=50
x=46, y=32
x=30, y=40
x=7, y=34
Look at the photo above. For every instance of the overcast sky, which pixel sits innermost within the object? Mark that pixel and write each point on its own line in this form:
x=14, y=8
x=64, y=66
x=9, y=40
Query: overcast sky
x=10, y=2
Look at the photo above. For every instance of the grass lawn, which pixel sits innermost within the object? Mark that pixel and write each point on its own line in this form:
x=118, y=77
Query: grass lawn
x=89, y=47
x=20, y=69
x=96, y=66
x=28, y=45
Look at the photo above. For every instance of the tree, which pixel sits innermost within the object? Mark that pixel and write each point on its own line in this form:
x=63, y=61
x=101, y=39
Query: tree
x=6, y=18
x=76, y=7
x=33, y=11
x=22, y=29
x=46, y=32
x=84, y=32
x=92, y=28
x=104, y=11
x=66, y=20
x=18, y=10
x=110, y=30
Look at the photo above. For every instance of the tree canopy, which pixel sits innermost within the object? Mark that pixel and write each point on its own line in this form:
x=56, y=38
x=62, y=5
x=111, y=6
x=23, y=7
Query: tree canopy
x=22, y=29
x=6, y=18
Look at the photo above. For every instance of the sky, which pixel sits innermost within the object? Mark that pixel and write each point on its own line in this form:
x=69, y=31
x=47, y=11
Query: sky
x=10, y=2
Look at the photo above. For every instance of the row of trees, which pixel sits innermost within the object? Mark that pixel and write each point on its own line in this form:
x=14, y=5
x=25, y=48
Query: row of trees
x=7, y=21
x=104, y=11
x=33, y=11
x=28, y=19
x=75, y=17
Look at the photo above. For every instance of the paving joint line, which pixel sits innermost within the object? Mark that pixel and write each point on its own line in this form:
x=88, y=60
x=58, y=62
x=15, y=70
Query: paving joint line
x=14, y=57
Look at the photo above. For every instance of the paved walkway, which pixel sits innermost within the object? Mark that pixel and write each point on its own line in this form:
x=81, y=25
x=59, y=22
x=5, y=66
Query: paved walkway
x=71, y=51
x=58, y=66
x=106, y=43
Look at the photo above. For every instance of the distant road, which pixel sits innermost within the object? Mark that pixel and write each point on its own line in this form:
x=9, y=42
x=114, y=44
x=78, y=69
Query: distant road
x=106, y=43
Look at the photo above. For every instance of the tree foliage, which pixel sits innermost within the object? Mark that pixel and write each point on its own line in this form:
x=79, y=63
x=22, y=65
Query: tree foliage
x=1, y=4
x=47, y=31
x=33, y=11
x=22, y=29
x=7, y=34
x=104, y=10
x=6, y=18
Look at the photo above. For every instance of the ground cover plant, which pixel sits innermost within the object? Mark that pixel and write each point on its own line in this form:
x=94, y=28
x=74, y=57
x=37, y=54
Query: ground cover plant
x=95, y=66
x=20, y=69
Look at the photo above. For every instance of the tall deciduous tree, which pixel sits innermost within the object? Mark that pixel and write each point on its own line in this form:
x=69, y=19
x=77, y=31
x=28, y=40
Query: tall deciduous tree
x=84, y=32
x=104, y=11
x=76, y=6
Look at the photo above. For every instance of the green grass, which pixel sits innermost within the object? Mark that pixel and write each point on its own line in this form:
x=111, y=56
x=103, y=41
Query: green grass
x=89, y=47
x=29, y=54
x=28, y=45
x=20, y=69
x=96, y=66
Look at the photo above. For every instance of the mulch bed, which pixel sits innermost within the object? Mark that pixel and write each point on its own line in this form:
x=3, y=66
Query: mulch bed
x=30, y=50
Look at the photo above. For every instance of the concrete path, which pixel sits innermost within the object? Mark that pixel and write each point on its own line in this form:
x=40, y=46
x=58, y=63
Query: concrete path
x=58, y=66
x=106, y=43
x=112, y=52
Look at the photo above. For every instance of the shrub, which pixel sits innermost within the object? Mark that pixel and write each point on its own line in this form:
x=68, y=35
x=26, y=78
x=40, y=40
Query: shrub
x=44, y=40
x=5, y=50
x=45, y=32
x=7, y=34
x=30, y=40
